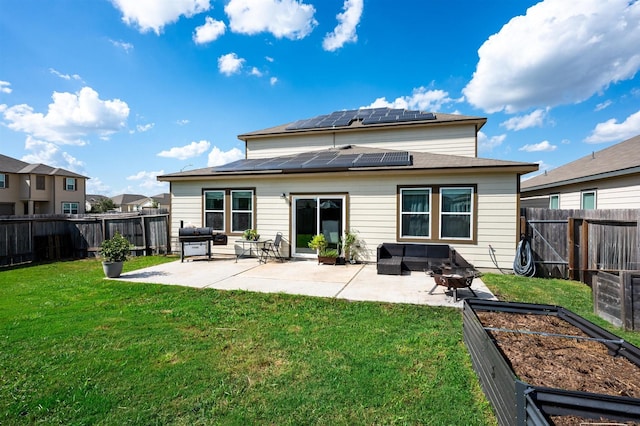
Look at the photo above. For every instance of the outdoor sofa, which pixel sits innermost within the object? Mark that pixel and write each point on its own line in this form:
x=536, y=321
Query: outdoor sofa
x=394, y=258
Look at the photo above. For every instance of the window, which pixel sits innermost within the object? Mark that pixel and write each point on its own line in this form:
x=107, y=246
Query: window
x=554, y=201
x=40, y=182
x=456, y=209
x=69, y=184
x=214, y=210
x=4, y=180
x=70, y=208
x=415, y=212
x=229, y=210
x=241, y=210
x=588, y=200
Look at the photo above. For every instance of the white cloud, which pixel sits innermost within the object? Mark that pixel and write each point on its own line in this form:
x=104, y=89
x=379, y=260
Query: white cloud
x=97, y=186
x=127, y=47
x=345, y=31
x=182, y=122
x=421, y=99
x=534, y=119
x=255, y=71
x=209, y=32
x=603, y=105
x=268, y=58
x=43, y=152
x=486, y=144
x=70, y=118
x=560, y=52
x=218, y=157
x=4, y=87
x=153, y=15
x=611, y=130
x=273, y=81
x=537, y=147
x=230, y=64
x=188, y=151
x=283, y=18
x=65, y=76
x=144, y=127
x=148, y=181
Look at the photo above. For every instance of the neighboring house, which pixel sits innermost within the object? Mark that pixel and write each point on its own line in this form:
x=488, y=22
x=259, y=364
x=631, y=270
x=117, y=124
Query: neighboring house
x=160, y=201
x=128, y=202
x=388, y=175
x=93, y=199
x=606, y=179
x=27, y=189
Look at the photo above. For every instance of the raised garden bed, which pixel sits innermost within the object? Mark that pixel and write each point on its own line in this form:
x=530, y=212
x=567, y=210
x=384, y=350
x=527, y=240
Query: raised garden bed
x=545, y=365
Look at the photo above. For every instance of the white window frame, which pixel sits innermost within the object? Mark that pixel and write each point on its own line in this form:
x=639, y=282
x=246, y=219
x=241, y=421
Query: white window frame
x=3, y=180
x=428, y=212
x=466, y=213
x=235, y=211
x=595, y=198
x=554, y=197
x=223, y=211
x=68, y=207
x=70, y=184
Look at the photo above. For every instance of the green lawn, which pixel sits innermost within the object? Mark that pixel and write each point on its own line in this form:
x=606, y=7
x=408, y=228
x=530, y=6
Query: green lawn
x=76, y=349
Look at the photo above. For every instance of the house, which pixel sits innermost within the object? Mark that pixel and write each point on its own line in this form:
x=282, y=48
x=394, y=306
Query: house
x=606, y=179
x=27, y=189
x=136, y=202
x=128, y=202
x=386, y=174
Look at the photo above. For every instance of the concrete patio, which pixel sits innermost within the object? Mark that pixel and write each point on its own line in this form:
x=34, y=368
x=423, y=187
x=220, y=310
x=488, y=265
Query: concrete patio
x=358, y=282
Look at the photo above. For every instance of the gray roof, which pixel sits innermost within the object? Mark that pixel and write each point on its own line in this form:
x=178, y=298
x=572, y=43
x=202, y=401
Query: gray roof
x=12, y=165
x=620, y=159
x=358, y=124
x=121, y=199
x=419, y=161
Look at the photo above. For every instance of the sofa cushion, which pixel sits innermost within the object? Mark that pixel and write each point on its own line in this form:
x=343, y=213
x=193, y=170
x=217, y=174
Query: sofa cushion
x=393, y=249
x=438, y=251
x=415, y=250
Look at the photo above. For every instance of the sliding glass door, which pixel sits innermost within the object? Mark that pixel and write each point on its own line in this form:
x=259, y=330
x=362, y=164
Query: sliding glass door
x=323, y=214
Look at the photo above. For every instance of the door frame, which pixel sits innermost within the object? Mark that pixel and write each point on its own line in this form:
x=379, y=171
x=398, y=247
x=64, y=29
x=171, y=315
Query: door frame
x=317, y=196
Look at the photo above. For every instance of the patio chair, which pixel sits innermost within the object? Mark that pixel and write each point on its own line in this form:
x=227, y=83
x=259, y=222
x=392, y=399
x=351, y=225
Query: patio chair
x=271, y=248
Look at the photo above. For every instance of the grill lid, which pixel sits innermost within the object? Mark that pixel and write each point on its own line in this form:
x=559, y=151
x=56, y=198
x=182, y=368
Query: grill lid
x=194, y=232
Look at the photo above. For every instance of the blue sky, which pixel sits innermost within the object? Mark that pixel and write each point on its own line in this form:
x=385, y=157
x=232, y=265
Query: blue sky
x=124, y=90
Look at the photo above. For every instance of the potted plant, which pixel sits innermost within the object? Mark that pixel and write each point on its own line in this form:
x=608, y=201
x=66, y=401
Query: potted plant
x=251, y=235
x=114, y=252
x=349, y=246
x=326, y=255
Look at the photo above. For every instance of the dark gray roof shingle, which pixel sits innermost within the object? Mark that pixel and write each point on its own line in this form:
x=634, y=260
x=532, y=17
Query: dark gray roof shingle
x=620, y=157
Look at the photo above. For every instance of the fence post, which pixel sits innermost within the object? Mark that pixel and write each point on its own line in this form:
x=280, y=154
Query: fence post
x=572, y=248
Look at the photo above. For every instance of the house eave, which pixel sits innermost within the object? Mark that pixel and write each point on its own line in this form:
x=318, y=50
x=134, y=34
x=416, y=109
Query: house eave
x=515, y=169
x=582, y=179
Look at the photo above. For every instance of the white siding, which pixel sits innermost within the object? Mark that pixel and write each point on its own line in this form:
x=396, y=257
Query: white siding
x=614, y=193
x=372, y=209
x=451, y=139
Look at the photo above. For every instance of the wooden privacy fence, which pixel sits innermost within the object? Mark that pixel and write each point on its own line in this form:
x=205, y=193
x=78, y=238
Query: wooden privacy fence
x=601, y=248
x=51, y=237
x=575, y=244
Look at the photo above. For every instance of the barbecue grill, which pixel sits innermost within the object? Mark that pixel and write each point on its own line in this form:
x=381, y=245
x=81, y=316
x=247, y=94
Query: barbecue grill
x=200, y=235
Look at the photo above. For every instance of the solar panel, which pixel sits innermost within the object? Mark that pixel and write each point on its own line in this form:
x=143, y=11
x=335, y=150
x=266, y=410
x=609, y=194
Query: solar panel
x=343, y=160
x=367, y=115
x=368, y=160
x=319, y=160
